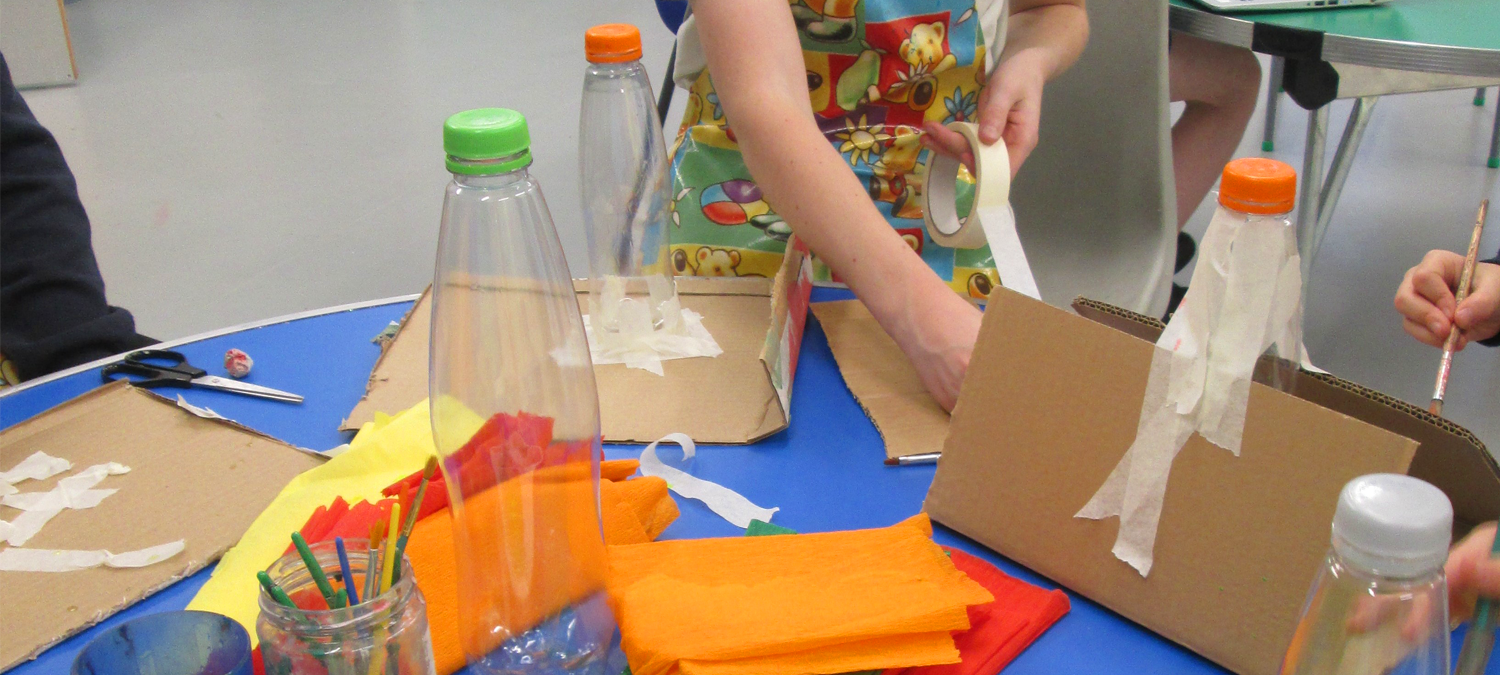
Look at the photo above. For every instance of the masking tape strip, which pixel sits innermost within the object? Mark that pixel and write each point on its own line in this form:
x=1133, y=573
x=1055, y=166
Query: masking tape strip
x=638, y=345
x=730, y=505
x=205, y=413
x=74, y=492
x=1245, y=297
x=39, y=466
x=63, y=560
x=996, y=222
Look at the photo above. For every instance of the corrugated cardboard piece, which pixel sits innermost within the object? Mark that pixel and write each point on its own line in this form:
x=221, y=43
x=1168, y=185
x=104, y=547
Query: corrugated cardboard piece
x=741, y=396
x=1050, y=404
x=220, y=474
x=883, y=380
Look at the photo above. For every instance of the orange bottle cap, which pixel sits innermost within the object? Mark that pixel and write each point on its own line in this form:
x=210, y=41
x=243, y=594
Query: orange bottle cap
x=1258, y=185
x=612, y=43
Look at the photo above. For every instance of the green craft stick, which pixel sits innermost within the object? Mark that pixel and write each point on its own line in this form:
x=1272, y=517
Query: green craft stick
x=273, y=590
x=313, y=567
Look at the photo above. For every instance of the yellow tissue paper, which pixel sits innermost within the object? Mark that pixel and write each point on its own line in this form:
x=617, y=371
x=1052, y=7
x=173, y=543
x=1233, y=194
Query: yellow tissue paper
x=383, y=452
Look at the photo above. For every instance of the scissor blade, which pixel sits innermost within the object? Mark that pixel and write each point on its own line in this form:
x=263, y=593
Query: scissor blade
x=222, y=384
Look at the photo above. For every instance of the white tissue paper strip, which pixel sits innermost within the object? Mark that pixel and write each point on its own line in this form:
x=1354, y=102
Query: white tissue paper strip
x=74, y=492
x=637, y=342
x=39, y=466
x=62, y=560
x=730, y=505
x=205, y=413
x=1245, y=297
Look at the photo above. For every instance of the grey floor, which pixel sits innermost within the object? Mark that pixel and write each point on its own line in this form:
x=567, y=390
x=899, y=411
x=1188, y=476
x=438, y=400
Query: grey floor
x=246, y=159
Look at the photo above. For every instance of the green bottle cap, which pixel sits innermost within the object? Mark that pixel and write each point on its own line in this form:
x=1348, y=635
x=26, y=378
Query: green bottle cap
x=486, y=141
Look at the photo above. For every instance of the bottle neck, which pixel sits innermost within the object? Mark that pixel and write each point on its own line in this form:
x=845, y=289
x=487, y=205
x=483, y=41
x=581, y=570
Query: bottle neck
x=615, y=69
x=492, y=180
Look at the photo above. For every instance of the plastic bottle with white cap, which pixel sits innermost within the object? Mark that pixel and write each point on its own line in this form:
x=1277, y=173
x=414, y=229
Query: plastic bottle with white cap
x=1380, y=603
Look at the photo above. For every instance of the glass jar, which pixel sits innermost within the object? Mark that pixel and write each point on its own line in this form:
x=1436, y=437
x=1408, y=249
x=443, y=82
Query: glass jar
x=387, y=634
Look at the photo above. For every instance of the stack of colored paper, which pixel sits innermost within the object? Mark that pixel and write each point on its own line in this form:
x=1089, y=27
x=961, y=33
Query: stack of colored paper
x=835, y=602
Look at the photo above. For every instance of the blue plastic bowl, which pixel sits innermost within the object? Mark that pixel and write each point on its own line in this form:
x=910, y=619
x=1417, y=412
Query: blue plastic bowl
x=171, y=643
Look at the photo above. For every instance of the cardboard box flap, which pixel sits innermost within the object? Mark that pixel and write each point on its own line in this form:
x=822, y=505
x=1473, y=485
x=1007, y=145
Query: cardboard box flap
x=180, y=464
x=1049, y=406
x=741, y=396
x=1448, y=455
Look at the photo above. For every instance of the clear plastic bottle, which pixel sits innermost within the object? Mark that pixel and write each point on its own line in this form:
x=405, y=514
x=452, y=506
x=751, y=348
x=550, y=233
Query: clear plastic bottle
x=515, y=415
x=1380, y=604
x=622, y=162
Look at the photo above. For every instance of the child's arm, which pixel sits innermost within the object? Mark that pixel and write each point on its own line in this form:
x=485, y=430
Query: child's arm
x=1427, y=304
x=756, y=61
x=1045, y=37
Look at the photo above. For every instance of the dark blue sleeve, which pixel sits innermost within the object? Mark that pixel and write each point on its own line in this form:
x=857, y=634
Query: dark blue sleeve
x=1494, y=340
x=52, y=308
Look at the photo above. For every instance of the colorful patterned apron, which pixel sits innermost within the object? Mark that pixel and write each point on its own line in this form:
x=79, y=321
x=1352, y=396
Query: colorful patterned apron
x=876, y=70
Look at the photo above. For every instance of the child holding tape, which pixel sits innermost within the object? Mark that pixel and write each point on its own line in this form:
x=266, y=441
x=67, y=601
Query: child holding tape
x=818, y=108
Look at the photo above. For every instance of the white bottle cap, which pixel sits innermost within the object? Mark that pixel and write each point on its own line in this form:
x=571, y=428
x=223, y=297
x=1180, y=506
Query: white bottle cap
x=1393, y=525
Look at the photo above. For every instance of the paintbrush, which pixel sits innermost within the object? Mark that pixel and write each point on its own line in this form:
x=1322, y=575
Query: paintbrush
x=1481, y=638
x=372, y=562
x=411, y=517
x=316, y=570
x=1465, y=279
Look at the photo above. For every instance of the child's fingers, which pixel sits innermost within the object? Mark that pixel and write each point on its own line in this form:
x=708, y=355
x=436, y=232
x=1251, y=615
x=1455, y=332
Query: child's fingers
x=949, y=142
x=1479, y=315
x=1421, y=333
x=1416, y=308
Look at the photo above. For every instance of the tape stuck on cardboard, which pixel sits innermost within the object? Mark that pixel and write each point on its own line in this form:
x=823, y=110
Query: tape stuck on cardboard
x=1245, y=298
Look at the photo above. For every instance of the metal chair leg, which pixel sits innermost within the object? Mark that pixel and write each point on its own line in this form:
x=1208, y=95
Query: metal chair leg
x=1338, y=172
x=1494, y=162
x=1310, y=191
x=1479, y=96
x=1273, y=95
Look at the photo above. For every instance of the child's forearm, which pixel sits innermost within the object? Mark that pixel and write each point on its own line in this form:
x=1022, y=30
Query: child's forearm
x=1053, y=32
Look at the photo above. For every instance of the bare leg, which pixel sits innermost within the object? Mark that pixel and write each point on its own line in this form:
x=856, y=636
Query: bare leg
x=1220, y=85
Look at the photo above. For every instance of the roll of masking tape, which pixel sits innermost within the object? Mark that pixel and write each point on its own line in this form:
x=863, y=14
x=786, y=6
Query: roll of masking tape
x=990, y=220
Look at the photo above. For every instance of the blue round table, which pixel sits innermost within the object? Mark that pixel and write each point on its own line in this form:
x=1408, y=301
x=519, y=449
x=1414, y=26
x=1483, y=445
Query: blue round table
x=824, y=472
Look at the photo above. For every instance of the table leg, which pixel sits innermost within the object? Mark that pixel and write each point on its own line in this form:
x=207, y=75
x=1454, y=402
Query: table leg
x=1273, y=96
x=1338, y=172
x=1310, y=191
x=1494, y=161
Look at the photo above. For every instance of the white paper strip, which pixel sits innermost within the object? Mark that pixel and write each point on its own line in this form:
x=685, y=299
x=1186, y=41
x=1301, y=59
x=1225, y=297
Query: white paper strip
x=730, y=505
x=1245, y=297
x=39, y=466
x=205, y=413
x=74, y=492
x=62, y=560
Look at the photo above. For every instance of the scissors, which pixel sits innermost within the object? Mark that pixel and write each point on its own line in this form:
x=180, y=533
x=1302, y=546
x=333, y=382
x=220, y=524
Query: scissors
x=177, y=372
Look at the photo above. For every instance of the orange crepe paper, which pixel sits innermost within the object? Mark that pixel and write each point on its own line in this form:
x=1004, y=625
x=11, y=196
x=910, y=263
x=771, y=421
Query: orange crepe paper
x=782, y=604
x=431, y=551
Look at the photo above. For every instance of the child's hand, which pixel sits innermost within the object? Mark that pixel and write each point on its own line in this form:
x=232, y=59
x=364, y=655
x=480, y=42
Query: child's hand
x=1426, y=301
x=1010, y=107
x=1472, y=573
x=938, y=335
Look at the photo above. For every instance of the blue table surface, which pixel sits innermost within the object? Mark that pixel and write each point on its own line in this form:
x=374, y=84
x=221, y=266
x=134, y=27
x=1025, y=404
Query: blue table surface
x=824, y=472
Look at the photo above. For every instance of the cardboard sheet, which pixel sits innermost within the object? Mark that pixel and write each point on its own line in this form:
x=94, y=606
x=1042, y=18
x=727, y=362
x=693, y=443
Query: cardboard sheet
x=741, y=396
x=1052, y=401
x=221, y=473
x=881, y=378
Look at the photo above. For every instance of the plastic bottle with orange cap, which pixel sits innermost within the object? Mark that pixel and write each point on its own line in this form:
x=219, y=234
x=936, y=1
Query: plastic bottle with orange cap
x=622, y=160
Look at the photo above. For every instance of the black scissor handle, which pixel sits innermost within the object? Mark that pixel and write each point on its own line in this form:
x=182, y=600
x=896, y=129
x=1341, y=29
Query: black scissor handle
x=153, y=376
x=177, y=363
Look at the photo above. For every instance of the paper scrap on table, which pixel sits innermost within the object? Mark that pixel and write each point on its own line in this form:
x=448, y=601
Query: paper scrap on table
x=638, y=342
x=39, y=466
x=62, y=560
x=730, y=505
x=74, y=492
x=1245, y=297
x=205, y=413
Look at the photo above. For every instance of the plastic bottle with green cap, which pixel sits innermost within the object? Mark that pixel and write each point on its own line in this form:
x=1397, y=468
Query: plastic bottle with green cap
x=515, y=415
